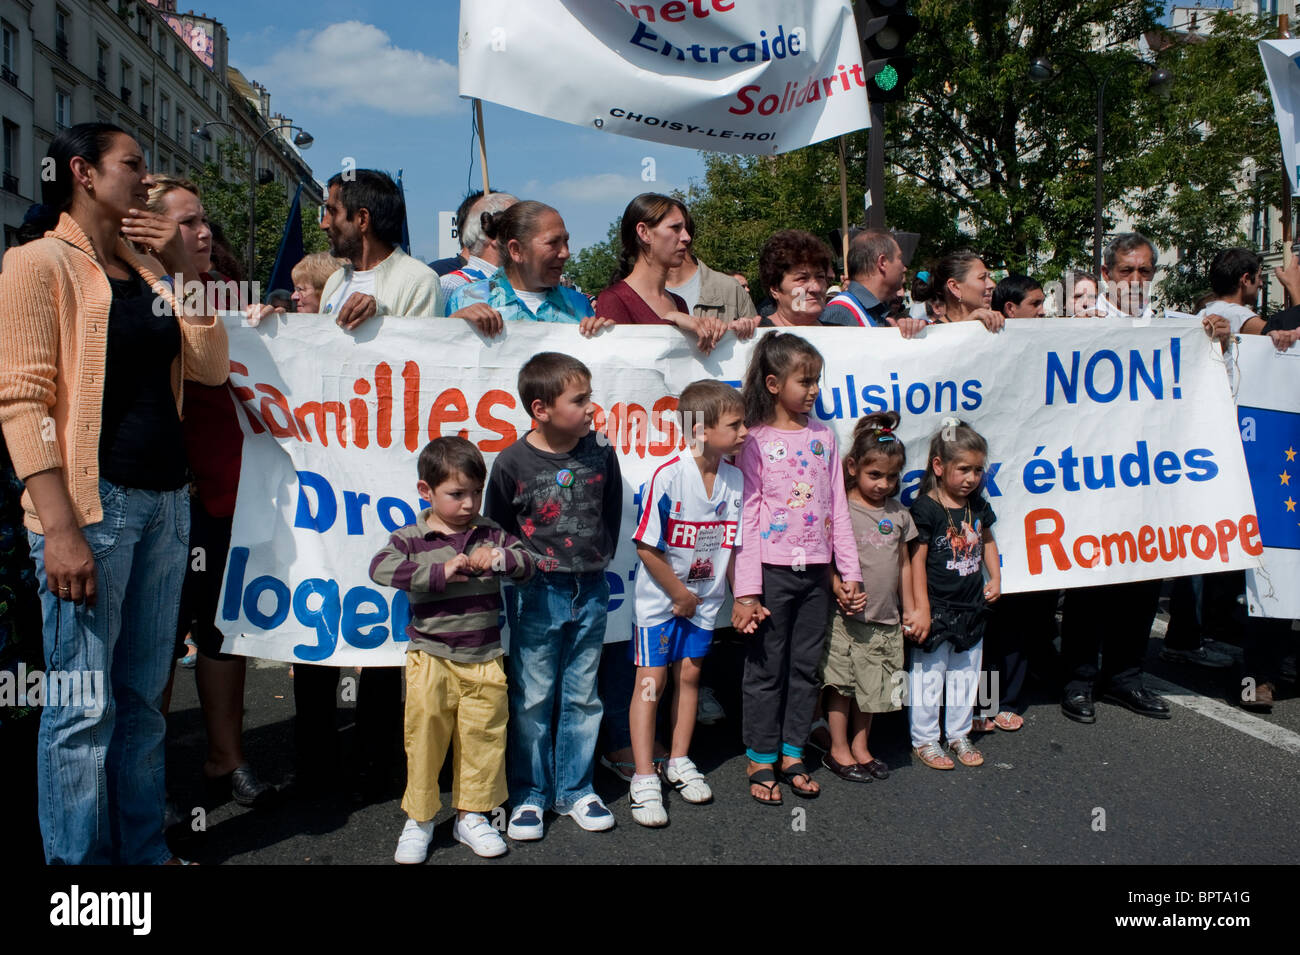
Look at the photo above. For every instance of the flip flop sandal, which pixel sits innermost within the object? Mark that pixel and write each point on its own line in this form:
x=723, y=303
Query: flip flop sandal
x=966, y=754
x=792, y=772
x=933, y=756
x=767, y=779
x=1009, y=722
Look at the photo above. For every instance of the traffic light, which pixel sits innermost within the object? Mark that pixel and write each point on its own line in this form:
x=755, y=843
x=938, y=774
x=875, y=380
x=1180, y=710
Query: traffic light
x=886, y=28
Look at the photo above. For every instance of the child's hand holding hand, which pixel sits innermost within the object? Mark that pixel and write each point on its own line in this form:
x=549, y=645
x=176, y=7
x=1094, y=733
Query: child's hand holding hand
x=455, y=570
x=916, y=625
x=853, y=599
x=746, y=617
x=486, y=559
x=685, y=605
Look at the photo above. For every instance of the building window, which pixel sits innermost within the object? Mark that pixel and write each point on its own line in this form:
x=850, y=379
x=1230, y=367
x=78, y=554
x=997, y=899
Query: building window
x=10, y=54
x=62, y=109
x=192, y=77
x=207, y=89
x=219, y=110
x=180, y=126
x=11, y=155
x=164, y=114
x=176, y=58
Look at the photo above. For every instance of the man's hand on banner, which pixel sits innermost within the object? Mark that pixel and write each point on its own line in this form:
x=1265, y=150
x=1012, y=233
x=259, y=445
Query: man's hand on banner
x=483, y=317
x=910, y=327
x=593, y=325
x=356, y=310
x=1218, y=328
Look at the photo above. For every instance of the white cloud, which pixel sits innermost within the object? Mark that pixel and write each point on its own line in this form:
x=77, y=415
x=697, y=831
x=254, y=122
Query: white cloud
x=354, y=64
x=601, y=187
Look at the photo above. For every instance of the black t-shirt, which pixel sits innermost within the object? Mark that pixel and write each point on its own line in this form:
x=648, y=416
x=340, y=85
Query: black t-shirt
x=1283, y=321
x=955, y=536
x=140, y=442
x=566, y=508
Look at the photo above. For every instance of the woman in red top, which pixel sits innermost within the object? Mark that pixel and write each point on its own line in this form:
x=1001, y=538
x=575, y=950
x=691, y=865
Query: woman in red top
x=654, y=239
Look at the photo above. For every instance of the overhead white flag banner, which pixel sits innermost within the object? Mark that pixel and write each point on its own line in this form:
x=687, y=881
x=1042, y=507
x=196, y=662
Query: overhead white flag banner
x=1268, y=410
x=1114, y=451
x=736, y=76
x=1282, y=65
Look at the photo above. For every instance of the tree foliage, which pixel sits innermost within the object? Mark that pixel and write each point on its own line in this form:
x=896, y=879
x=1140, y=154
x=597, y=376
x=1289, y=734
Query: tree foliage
x=979, y=156
x=225, y=199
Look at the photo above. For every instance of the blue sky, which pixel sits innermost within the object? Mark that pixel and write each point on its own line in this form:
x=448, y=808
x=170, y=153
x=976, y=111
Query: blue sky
x=378, y=82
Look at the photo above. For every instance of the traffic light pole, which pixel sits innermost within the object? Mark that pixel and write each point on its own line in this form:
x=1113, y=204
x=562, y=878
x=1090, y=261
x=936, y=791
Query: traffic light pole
x=876, y=166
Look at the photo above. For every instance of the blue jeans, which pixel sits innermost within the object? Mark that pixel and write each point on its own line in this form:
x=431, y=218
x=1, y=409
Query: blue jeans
x=557, y=627
x=100, y=765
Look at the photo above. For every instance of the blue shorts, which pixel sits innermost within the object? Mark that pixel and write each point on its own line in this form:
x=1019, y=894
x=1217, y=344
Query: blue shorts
x=668, y=642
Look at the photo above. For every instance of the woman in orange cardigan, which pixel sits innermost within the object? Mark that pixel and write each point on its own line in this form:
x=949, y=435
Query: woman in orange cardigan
x=93, y=350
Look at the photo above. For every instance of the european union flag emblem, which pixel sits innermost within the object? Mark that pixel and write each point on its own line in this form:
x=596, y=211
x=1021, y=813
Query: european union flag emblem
x=1271, y=440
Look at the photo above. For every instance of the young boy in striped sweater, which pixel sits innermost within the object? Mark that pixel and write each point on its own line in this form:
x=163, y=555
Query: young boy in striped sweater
x=449, y=561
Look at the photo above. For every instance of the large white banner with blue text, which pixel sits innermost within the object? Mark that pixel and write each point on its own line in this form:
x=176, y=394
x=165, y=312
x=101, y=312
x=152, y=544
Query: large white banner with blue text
x=1282, y=66
x=737, y=76
x=1114, y=450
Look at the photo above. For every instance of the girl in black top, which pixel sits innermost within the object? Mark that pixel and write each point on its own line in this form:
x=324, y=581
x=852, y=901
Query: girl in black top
x=954, y=544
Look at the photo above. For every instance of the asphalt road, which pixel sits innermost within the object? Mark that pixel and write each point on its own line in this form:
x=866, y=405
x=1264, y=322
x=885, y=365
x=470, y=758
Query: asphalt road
x=1127, y=790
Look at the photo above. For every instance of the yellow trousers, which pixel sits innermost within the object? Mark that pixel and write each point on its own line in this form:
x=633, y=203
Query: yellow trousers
x=448, y=701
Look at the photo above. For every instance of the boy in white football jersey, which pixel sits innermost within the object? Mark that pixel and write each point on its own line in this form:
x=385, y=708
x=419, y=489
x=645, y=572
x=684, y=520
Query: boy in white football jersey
x=689, y=525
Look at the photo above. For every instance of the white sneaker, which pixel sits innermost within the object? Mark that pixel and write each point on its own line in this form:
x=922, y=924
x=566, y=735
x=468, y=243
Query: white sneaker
x=688, y=780
x=592, y=814
x=709, y=710
x=413, y=843
x=647, y=801
x=477, y=833
x=525, y=823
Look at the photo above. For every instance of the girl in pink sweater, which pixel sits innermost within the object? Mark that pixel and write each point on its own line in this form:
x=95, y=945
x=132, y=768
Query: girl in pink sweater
x=795, y=521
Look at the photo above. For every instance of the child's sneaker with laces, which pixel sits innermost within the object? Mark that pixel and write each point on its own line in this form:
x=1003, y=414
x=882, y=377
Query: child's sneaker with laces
x=647, y=800
x=477, y=833
x=592, y=814
x=413, y=843
x=688, y=780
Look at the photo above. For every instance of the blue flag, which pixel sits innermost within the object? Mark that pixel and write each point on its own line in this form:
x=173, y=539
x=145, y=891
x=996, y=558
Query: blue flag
x=406, y=233
x=291, y=250
x=1273, y=460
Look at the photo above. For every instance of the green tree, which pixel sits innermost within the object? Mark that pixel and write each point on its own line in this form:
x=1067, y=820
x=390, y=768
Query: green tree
x=226, y=201
x=593, y=267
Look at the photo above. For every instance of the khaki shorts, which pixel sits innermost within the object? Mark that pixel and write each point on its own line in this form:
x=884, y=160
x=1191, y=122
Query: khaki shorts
x=861, y=660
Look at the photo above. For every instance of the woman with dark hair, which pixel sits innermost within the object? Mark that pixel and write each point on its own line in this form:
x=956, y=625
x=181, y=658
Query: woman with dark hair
x=1081, y=294
x=93, y=350
x=962, y=282
x=794, y=267
x=654, y=240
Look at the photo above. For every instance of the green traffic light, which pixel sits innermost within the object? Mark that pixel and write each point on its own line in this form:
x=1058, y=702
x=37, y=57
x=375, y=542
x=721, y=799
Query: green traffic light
x=887, y=78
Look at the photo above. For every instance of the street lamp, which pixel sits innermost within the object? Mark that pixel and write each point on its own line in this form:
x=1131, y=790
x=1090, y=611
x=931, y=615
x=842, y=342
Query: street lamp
x=1042, y=70
x=302, y=140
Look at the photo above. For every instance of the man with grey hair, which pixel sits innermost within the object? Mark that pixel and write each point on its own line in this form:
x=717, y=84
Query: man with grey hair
x=876, y=272
x=1128, y=265
x=484, y=257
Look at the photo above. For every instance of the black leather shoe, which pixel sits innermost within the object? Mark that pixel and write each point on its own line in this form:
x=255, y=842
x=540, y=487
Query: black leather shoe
x=1078, y=706
x=852, y=773
x=244, y=786
x=1141, y=701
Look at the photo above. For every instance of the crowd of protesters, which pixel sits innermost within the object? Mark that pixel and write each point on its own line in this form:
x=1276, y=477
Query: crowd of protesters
x=122, y=456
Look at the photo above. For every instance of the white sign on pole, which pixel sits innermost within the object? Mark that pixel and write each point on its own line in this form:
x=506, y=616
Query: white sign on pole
x=737, y=76
x=1114, y=450
x=1282, y=65
x=448, y=237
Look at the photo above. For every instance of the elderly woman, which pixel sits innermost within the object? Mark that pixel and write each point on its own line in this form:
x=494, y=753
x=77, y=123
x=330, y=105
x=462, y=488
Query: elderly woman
x=309, y=277
x=93, y=351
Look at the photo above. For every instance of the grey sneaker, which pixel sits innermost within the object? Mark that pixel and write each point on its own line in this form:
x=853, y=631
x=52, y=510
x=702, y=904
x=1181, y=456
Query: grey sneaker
x=1211, y=659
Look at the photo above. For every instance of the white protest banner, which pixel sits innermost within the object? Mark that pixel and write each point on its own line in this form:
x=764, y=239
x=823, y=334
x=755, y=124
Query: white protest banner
x=1268, y=410
x=1114, y=450
x=1282, y=66
x=737, y=76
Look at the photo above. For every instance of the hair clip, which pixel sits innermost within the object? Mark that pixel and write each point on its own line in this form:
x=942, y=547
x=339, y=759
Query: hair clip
x=923, y=276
